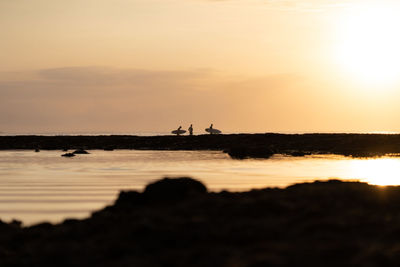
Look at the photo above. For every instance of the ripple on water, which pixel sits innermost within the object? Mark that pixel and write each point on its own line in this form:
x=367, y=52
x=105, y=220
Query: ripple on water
x=36, y=187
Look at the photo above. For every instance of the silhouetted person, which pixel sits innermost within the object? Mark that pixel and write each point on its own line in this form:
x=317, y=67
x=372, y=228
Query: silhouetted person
x=191, y=129
x=178, y=131
x=211, y=130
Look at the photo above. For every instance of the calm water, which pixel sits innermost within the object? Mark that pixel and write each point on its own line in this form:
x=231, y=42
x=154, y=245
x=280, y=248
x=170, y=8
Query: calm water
x=44, y=186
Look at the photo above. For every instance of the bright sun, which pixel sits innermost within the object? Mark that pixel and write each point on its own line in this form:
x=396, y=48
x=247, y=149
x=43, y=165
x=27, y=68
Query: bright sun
x=369, y=42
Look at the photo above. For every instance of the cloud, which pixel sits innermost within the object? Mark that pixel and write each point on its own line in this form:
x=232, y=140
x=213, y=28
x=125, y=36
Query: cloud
x=112, y=99
x=107, y=76
x=298, y=5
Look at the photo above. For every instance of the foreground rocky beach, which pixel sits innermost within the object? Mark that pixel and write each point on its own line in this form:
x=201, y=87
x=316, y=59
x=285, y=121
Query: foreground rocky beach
x=237, y=145
x=176, y=222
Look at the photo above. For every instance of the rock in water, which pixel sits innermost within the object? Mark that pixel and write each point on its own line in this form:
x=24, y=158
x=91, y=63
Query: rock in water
x=243, y=152
x=80, y=151
x=68, y=155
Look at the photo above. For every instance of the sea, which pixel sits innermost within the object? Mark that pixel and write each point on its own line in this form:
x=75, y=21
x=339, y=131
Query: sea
x=38, y=187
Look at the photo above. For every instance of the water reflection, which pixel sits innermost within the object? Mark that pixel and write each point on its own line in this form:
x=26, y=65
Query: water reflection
x=381, y=171
x=44, y=186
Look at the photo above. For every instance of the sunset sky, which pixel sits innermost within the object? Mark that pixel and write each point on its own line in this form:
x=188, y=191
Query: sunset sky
x=244, y=65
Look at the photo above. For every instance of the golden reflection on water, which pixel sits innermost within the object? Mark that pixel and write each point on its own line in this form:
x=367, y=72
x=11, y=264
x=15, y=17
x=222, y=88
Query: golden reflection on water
x=36, y=187
x=380, y=171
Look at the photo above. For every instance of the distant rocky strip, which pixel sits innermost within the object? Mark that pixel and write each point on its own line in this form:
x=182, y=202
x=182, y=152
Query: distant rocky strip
x=237, y=145
x=176, y=222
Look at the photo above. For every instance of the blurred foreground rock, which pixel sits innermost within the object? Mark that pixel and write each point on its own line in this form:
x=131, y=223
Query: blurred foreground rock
x=175, y=222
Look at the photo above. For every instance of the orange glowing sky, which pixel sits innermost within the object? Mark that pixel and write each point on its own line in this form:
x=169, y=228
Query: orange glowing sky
x=244, y=65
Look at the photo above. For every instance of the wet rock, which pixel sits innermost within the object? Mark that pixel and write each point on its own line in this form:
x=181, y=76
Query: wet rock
x=356, y=145
x=243, y=152
x=68, y=155
x=80, y=151
x=298, y=153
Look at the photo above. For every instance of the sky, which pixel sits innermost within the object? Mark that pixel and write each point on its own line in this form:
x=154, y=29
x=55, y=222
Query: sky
x=126, y=66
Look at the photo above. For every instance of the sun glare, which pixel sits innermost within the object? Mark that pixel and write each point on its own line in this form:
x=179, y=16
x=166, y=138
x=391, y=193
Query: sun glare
x=384, y=171
x=369, y=43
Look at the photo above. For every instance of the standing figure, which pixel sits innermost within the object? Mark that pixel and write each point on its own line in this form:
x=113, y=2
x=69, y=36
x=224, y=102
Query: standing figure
x=191, y=129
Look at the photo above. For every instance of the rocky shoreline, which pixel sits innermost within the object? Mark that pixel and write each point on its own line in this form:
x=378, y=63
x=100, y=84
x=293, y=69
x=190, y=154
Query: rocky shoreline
x=176, y=222
x=237, y=145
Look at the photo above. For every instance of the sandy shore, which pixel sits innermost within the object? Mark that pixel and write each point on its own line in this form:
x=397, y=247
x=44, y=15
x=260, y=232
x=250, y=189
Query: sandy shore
x=178, y=223
x=237, y=145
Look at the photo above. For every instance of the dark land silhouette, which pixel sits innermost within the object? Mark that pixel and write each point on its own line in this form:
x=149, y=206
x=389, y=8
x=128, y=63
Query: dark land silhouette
x=237, y=145
x=176, y=222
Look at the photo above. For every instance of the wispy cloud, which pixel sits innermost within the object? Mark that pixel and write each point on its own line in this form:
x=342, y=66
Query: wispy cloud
x=297, y=5
x=87, y=98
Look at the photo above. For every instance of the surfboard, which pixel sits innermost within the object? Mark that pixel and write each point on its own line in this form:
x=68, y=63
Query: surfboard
x=213, y=131
x=178, y=131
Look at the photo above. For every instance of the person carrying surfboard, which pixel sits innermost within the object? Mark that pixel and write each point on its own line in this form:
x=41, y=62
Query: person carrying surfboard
x=191, y=129
x=178, y=131
x=211, y=130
